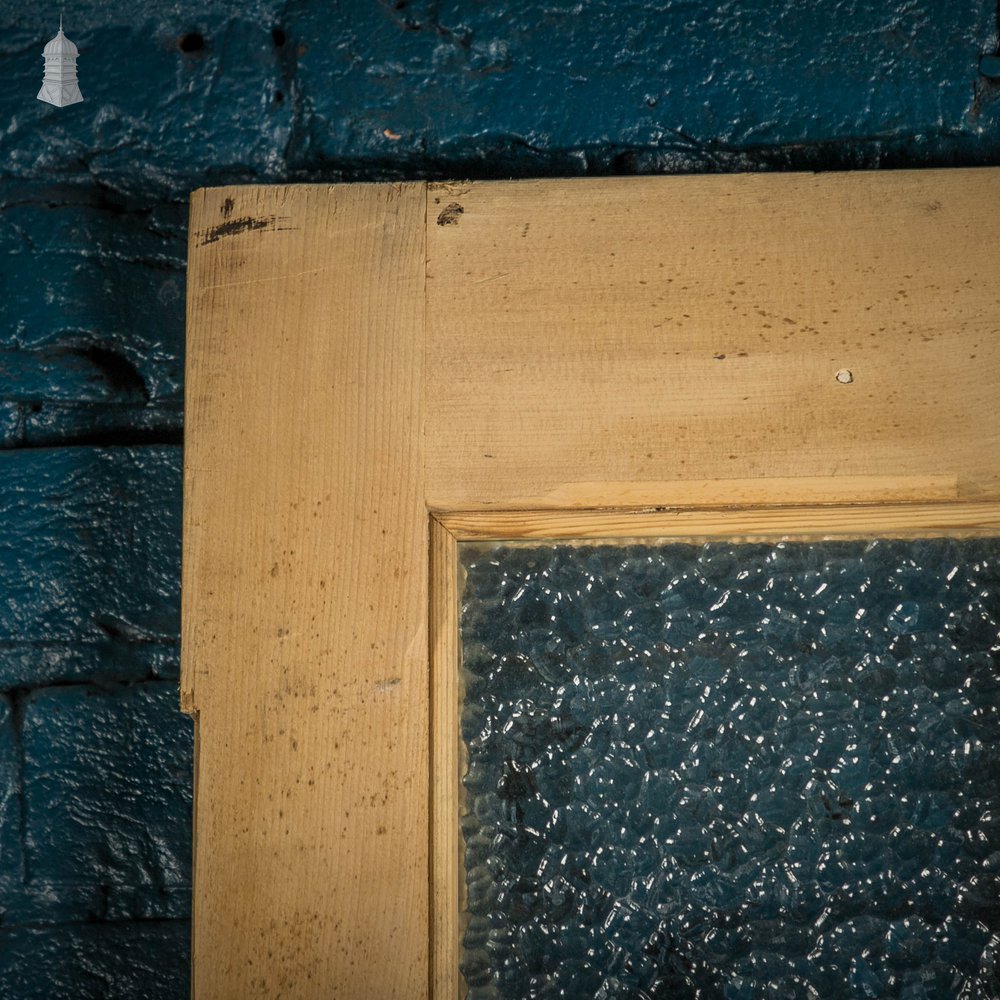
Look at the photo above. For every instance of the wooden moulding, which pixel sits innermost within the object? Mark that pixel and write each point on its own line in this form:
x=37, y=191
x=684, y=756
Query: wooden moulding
x=447, y=885
x=379, y=372
x=449, y=531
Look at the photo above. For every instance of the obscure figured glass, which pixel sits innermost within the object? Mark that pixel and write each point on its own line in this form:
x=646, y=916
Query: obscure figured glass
x=732, y=771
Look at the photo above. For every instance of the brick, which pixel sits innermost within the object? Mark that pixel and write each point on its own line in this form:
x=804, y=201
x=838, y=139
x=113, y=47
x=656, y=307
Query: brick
x=26, y=664
x=49, y=423
x=82, y=302
x=107, y=787
x=527, y=88
x=11, y=868
x=424, y=88
x=91, y=301
x=40, y=903
x=133, y=135
x=11, y=424
x=96, y=961
x=84, y=372
x=91, y=547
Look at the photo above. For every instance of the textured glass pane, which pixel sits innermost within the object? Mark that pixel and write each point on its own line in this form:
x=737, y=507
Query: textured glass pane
x=732, y=770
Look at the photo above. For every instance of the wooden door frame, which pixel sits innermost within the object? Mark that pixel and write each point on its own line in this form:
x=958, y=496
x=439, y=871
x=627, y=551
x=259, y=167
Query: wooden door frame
x=377, y=372
x=746, y=524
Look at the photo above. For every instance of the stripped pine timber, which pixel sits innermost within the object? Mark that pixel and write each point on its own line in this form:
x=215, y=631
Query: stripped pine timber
x=379, y=372
x=596, y=342
x=449, y=531
x=446, y=752
x=305, y=592
x=952, y=520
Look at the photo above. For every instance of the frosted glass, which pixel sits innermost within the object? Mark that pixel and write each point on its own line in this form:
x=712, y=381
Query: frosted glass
x=732, y=771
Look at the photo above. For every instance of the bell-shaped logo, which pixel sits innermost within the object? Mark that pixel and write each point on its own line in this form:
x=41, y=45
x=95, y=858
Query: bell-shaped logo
x=59, y=86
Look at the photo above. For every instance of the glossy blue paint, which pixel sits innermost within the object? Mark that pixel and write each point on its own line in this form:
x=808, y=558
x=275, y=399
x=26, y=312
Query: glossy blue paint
x=96, y=961
x=989, y=66
x=11, y=858
x=93, y=548
x=631, y=87
x=92, y=246
x=95, y=774
x=88, y=746
x=92, y=317
x=28, y=664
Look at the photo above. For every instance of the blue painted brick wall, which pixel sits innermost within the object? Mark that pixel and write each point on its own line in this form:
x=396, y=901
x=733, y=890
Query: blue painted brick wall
x=95, y=758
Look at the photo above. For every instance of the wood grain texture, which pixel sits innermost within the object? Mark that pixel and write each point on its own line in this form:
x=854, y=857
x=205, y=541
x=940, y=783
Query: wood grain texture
x=360, y=355
x=953, y=520
x=447, y=883
x=305, y=591
x=591, y=340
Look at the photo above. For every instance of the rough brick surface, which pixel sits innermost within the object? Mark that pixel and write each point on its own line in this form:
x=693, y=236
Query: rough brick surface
x=30, y=664
x=641, y=87
x=11, y=424
x=107, y=788
x=431, y=87
x=91, y=318
x=11, y=859
x=155, y=118
x=109, y=961
x=91, y=547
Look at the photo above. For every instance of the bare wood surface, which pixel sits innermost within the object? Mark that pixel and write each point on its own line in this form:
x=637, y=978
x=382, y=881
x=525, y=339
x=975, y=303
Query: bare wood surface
x=627, y=343
x=305, y=592
x=447, y=883
x=590, y=341
x=955, y=520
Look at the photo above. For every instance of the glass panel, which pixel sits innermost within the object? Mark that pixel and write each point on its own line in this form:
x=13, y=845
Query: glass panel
x=732, y=770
